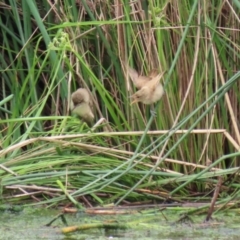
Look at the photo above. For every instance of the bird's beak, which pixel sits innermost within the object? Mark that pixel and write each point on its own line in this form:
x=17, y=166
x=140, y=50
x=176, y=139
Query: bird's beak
x=134, y=101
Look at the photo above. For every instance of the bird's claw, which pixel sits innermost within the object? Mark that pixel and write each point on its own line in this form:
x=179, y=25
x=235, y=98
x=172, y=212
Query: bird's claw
x=153, y=113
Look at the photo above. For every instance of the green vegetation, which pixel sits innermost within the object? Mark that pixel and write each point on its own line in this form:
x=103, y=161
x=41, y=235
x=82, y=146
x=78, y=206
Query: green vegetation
x=48, y=51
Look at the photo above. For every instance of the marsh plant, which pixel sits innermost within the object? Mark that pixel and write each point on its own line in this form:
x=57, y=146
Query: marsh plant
x=49, y=49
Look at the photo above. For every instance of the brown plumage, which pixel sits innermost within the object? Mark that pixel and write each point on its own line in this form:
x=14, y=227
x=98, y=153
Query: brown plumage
x=82, y=105
x=150, y=88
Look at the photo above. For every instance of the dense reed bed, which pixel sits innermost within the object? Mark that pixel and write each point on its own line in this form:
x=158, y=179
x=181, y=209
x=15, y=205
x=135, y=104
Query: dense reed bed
x=49, y=50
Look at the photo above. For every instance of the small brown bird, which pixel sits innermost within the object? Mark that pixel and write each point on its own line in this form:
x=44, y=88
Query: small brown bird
x=150, y=88
x=82, y=105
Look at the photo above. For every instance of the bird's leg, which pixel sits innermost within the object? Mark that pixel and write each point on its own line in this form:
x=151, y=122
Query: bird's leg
x=152, y=111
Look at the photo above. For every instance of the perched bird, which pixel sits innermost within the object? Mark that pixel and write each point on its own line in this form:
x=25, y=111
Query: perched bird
x=150, y=88
x=82, y=105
